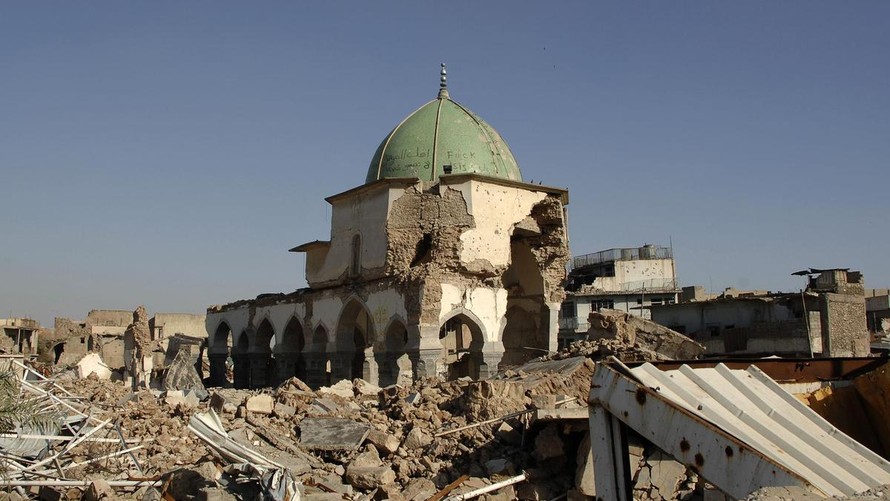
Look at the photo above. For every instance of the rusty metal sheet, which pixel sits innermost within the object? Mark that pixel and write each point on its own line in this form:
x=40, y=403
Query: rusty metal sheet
x=731, y=414
x=722, y=459
x=800, y=370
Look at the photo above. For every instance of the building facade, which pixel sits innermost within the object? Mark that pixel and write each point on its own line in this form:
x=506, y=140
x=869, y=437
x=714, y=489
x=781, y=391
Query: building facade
x=827, y=319
x=631, y=280
x=442, y=263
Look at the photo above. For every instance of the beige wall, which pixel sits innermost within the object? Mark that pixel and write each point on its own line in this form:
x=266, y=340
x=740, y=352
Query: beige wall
x=495, y=210
x=637, y=274
x=120, y=318
x=167, y=324
x=363, y=213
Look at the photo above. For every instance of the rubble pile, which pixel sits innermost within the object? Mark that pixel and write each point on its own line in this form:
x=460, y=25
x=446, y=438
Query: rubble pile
x=631, y=339
x=351, y=440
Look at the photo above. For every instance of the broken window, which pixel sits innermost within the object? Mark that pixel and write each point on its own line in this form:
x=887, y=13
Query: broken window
x=422, y=250
x=599, y=304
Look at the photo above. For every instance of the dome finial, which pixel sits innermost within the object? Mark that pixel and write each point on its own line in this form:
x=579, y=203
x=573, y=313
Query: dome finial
x=443, y=83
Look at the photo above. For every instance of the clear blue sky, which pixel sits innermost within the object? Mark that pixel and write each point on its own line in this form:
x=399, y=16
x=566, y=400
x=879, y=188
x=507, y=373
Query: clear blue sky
x=169, y=153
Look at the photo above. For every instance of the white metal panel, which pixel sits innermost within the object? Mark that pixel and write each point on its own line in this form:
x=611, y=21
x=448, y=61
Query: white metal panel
x=754, y=408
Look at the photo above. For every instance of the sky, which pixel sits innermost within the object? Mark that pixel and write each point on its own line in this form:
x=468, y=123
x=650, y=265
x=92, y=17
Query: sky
x=169, y=153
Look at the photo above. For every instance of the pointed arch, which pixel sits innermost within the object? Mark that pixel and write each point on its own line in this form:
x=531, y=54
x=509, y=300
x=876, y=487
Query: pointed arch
x=221, y=342
x=289, y=352
x=241, y=362
x=355, y=336
x=265, y=333
x=392, y=357
x=462, y=336
x=520, y=337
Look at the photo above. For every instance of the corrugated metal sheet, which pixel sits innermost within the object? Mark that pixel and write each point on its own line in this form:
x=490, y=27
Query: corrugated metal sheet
x=755, y=409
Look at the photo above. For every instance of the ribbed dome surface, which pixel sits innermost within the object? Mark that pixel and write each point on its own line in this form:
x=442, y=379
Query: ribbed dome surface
x=442, y=133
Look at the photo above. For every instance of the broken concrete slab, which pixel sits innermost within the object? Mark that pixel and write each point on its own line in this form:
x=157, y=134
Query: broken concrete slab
x=342, y=389
x=332, y=433
x=637, y=332
x=283, y=410
x=92, y=364
x=182, y=375
x=260, y=404
x=187, y=400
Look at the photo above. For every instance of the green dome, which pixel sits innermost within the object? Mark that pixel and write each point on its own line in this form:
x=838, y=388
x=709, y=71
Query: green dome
x=442, y=133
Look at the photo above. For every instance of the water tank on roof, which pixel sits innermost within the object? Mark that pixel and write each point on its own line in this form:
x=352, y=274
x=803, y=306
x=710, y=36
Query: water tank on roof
x=647, y=251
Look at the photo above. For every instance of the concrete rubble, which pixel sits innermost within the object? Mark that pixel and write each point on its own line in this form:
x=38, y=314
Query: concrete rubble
x=630, y=338
x=348, y=441
x=522, y=434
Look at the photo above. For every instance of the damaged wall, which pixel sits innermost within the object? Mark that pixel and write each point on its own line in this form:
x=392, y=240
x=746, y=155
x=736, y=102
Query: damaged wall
x=365, y=324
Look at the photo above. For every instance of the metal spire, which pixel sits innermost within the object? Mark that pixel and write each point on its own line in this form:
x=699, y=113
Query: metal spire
x=443, y=83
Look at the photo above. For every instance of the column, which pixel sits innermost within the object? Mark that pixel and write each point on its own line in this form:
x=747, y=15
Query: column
x=241, y=371
x=489, y=361
x=218, y=369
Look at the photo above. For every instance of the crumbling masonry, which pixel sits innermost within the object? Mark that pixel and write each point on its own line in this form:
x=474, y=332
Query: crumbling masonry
x=443, y=263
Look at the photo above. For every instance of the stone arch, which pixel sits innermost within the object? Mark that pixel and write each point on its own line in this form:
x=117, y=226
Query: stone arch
x=262, y=365
x=317, y=359
x=222, y=339
x=392, y=354
x=525, y=330
x=58, y=350
x=241, y=362
x=521, y=337
x=289, y=352
x=219, y=349
x=463, y=337
x=354, y=341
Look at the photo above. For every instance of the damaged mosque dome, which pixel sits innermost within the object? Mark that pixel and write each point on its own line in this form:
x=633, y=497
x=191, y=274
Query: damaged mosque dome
x=444, y=262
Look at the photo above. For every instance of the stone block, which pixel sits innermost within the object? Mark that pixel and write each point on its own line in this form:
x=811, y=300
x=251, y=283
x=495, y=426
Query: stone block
x=284, y=410
x=92, y=364
x=369, y=477
x=419, y=489
x=260, y=404
x=416, y=439
x=342, y=389
x=384, y=442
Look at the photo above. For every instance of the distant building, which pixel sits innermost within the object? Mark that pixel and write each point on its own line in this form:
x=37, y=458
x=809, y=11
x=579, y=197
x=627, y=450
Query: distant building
x=102, y=331
x=627, y=279
x=877, y=310
x=827, y=319
x=20, y=335
x=443, y=263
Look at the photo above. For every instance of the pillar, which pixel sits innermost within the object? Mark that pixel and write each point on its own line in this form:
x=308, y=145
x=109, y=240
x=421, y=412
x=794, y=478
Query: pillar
x=488, y=363
x=241, y=371
x=287, y=366
x=370, y=370
x=316, y=369
x=261, y=370
x=341, y=365
x=218, y=369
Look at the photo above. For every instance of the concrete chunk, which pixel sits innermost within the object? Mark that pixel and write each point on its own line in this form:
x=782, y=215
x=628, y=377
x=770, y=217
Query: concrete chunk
x=332, y=433
x=260, y=404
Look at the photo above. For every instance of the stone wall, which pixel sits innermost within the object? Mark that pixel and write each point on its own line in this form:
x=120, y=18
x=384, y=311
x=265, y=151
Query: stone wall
x=844, y=329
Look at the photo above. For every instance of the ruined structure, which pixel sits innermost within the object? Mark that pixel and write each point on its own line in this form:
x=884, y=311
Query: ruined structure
x=19, y=335
x=443, y=263
x=628, y=279
x=827, y=319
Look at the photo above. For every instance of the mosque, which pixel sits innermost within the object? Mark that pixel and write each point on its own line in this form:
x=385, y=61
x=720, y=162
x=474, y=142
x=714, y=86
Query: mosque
x=444, y=262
